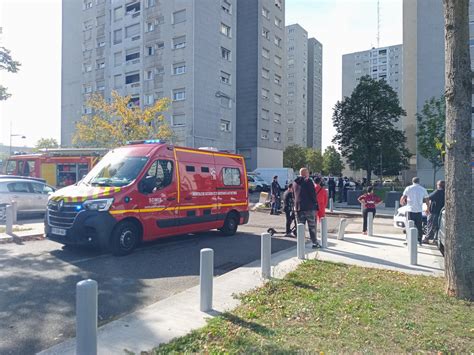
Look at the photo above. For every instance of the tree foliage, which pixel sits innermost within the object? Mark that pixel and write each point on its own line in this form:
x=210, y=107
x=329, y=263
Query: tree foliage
x=314, y=160
x=365, y=127
x=7, y=63
x=431, y=131
x=332, y=162
x=297, y=157
x=114, y=123
x=46, y=143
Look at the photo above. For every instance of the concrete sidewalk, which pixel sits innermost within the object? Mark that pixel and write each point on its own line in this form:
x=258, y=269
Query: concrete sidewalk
x=178, y=315
x=23, y=232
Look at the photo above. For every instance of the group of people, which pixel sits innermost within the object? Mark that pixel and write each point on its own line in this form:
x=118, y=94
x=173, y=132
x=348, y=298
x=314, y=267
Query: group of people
x=306, y=200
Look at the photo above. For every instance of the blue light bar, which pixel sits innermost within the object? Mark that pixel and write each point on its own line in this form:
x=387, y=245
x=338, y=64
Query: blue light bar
x=146, y=141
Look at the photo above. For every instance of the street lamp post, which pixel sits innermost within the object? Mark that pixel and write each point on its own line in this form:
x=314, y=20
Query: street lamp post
x=14, y=135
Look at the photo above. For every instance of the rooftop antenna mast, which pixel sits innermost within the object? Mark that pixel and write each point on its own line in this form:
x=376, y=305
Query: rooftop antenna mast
x=378, y=23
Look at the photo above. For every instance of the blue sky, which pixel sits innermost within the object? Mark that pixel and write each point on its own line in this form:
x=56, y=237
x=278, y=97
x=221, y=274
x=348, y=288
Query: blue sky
x=32, y=31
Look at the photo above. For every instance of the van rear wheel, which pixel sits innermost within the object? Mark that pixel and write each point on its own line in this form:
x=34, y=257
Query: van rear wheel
x=125, y=238
x=230, y=224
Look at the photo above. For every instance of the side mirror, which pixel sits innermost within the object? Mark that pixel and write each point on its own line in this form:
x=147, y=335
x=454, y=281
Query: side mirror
x=147, y=185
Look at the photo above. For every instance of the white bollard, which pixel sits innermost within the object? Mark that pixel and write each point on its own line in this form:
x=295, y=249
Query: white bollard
x=206, y=276
x=370, y=224
x=300, y=241
x=324, y=233
x=413, y=245
x=411, y=224
x=266, y=255
x=331, y=204
x=15, y=211
x=342, y=229
x=397, y=206
x=86, y=317
x=9, y=219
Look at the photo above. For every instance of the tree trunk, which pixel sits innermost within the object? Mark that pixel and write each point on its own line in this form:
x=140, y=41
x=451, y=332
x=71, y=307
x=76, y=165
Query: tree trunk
x=459, y=248
x=435, y=171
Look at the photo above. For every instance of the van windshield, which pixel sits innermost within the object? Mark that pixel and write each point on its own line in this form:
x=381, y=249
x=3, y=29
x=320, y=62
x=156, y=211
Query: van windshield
x=115, y=170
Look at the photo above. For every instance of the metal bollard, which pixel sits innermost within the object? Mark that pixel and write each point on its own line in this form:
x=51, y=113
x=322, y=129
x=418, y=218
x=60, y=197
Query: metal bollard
x=342, y=229
x=324, y=233
x=413, y=245
x=9, y=219
x=411, y=224
x=266, y=255
x=370, y=224
x=397, y=206
x=206, y=276
x=15, y=211
x=86, y=317
x=331, y=204
x=300, y=241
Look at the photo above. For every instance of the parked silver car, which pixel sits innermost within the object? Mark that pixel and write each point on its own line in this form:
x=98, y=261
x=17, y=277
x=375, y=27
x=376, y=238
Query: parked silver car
x=31, y=195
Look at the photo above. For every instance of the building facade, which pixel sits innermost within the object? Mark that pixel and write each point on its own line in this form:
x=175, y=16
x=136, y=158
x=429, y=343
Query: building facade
x=152, y=49
x=423, y=37
x=315, y=94
x=261, y=82
x=297, y=85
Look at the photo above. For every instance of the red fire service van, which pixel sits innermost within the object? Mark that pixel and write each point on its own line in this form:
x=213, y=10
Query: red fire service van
x=148, y=190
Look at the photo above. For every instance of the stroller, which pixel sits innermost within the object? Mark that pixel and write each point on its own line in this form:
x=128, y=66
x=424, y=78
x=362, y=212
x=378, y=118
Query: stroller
x=272, y=231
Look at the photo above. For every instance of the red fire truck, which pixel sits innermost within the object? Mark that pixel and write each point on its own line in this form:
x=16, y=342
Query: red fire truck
x=59, y=167
x=148, y=190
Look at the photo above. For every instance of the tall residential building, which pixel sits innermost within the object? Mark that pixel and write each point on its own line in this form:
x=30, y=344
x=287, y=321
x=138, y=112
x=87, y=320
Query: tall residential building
x=150, y=49
x=297, y=85
x=315, y=93
x=261, y=82
x=424, y=70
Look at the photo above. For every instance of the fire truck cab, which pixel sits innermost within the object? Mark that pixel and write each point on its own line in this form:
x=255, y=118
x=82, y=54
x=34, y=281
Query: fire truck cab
x=149, y=190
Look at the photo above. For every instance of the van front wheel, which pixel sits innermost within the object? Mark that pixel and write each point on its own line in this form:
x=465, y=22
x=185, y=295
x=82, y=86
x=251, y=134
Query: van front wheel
x=125, y=238
x=230, y=225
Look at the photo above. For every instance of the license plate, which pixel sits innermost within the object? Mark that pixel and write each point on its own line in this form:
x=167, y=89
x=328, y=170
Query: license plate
x=58, y=231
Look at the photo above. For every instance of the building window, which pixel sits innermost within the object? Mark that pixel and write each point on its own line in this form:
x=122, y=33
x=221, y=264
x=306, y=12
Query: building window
x=265, y=73
x=277, y=41
x=226, y=7
x=132, y=55
x=118, y=36
x=150, y=3
x=149, y=99
x=265, y=53
x=225, y=30
x=150, y=50
x=148, y=74
x=101, y=42
x=132, y=30
x=87, y=89
x=278, y=3
x=178, y=120
x=226, y=102
x=278, y=22
x=100, y=86
x=265, y=94
x=276, y=137
x=225, y=77
x=277, y=117
x=265, y=13
x=159, y=70
x=149, y=27
x=265, y=33
x=277, y=99
x=264, y=134
x=87, y=67
x=179, y=17
x=117, y=81
x=225, y=126
x=265, y=114
x=225, y=53
x=277, y=79
x=100, y=64
x=87, y=5
x=179, y=42
x=179, y=94
x=179, y=68
x=160, y=45
x=132, y=78
x=277, y=60
x=134, y=102
x=118, y=13
x=133, y=8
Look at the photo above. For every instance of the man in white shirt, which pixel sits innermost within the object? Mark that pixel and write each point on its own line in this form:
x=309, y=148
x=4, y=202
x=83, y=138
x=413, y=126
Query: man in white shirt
x=414, y=196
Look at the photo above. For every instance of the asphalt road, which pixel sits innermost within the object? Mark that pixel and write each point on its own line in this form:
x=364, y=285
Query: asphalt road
x=37, y=287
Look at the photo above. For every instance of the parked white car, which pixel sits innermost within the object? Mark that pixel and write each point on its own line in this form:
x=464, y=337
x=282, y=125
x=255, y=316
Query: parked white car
x=400, y=218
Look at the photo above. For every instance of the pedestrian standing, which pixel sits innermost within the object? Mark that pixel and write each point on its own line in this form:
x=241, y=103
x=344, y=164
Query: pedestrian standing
x=289, y=208
x=276, y=196
x=435, y=205
x=369, y=202
x=340, y=185
x=332, y=188
x=321, y=197
x=306, y=204
x=347, y=184
x=414, y=196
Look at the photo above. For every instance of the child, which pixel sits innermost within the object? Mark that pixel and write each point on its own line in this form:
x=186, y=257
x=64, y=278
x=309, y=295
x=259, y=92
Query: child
x=369, y=202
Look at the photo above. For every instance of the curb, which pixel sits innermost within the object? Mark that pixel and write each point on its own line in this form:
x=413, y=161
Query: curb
x=6, y=239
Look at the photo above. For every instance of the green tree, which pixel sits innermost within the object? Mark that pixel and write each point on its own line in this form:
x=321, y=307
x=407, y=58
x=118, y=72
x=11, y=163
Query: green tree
x=116, y=122
x=314, y=160
x=332, y=162
x=431, y=131
x=7, y=63
x=294, y=156
x=459, y=246
x=365, y=127
x=46, y=143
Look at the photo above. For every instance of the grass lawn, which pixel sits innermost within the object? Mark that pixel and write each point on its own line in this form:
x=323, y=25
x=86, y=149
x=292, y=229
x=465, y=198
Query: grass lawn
x=331, y=307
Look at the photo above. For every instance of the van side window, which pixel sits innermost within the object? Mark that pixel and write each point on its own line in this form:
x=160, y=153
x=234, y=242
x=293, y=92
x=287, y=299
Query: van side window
x=204, y=169
x=163, y=171
x=190, y=168
x=231, y=176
